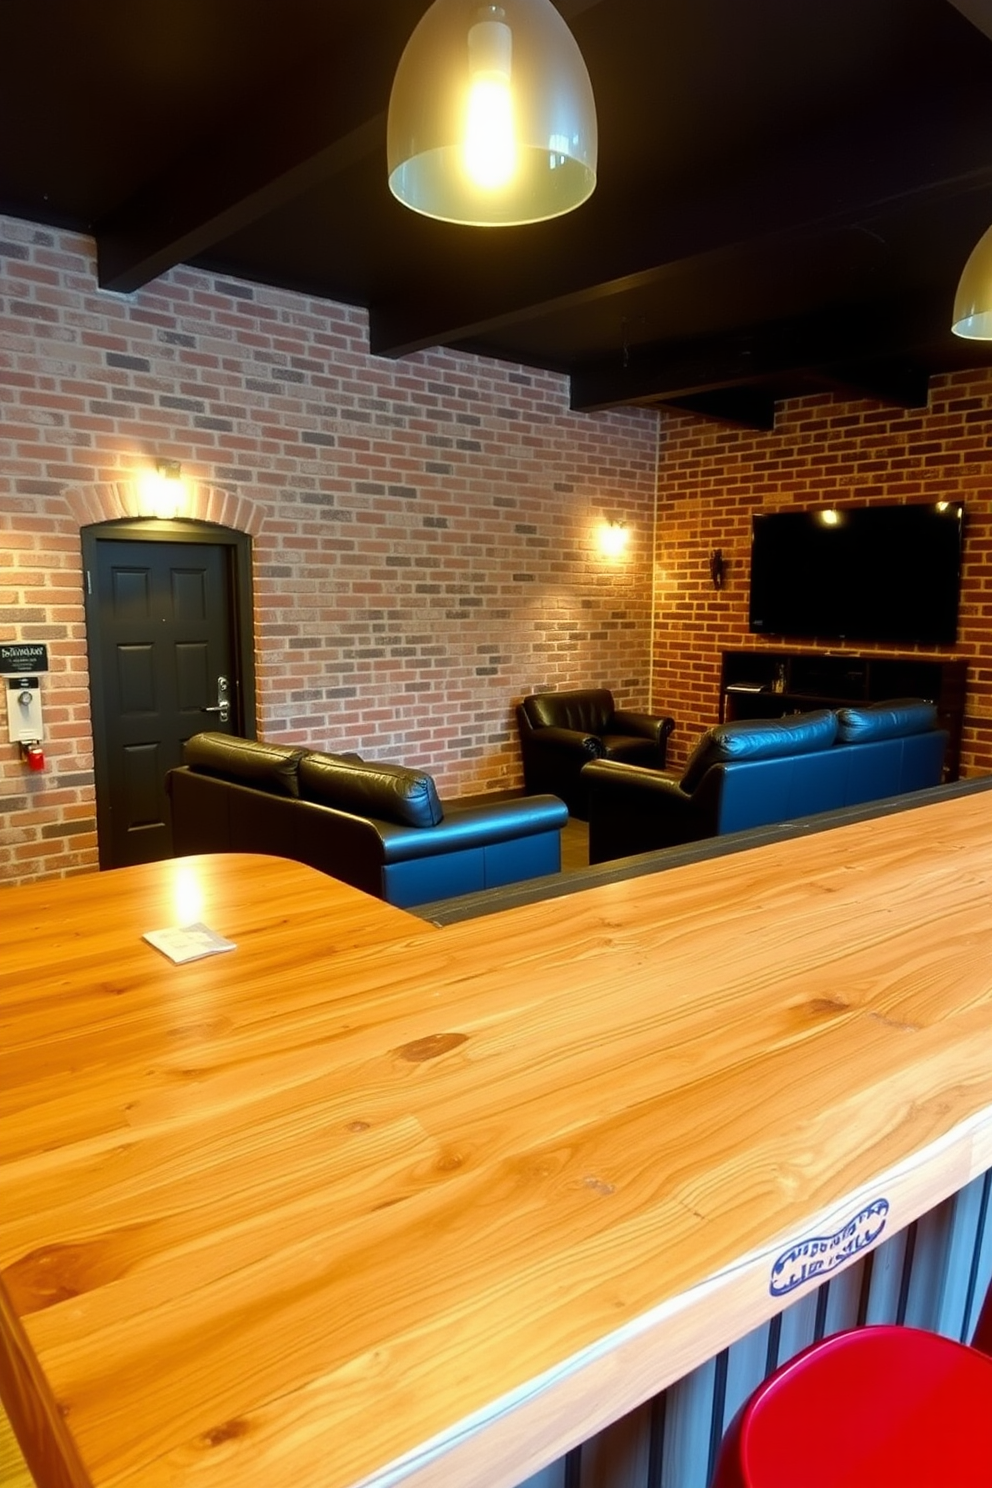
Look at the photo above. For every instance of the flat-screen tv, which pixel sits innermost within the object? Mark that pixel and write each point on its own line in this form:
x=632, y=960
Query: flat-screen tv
x=867, y=573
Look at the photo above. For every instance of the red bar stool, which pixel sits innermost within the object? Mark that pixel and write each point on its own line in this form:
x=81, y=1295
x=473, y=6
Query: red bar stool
x=873, y=1407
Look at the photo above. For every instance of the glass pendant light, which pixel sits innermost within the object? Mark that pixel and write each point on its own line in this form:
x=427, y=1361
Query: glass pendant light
x=492, y=121
x=972, y=316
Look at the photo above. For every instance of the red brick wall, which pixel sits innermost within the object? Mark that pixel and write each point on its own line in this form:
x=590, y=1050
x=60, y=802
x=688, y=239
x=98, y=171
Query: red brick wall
x=424, y=529
x=822, y=451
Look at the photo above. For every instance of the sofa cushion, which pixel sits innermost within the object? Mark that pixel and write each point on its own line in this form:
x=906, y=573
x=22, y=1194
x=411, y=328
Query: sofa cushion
x=269, y=767
x=388, y=793
x=888, y=720
x=756, y=739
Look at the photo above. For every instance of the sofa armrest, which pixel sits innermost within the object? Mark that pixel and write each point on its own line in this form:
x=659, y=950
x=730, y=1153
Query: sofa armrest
x=566, y=741
x=635, y=810
x=481, y=824
x=212, y=815
x=642, y=725
x=615, y=781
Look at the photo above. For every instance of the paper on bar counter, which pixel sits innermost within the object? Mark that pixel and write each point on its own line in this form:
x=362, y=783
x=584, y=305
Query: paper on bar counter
x=188, y=942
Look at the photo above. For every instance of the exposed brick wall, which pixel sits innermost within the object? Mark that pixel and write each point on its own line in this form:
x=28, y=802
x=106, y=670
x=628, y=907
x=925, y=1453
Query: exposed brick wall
x=424, y=529
x=823, y=450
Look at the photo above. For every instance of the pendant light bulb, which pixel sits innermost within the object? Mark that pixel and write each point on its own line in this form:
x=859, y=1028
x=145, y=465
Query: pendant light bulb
x=490, y=147
x=492, y=121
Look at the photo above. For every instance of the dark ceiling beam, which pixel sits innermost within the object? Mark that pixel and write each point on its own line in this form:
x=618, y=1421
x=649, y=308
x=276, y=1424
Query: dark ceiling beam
x=903, y=385
x=745, y=407
x=803, y=347
x=552, y=267
x=246, y=166
x=212, y=195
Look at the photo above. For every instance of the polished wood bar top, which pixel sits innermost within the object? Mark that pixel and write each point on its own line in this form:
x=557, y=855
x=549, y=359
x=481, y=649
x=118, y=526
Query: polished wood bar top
x=368, y=1202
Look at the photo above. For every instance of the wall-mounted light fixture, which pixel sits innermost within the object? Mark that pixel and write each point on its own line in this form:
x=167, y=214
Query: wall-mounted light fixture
x=492, y=121
x=718, y=568
x=162, y=491
x=614, y=537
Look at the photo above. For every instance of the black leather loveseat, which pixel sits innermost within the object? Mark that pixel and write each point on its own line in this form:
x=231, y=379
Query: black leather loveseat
x=378, y=826
x=560, y=732
x=751, y=774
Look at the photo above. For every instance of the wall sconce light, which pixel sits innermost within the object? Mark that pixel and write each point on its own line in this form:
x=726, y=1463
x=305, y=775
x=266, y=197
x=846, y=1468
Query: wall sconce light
x=718, y=568
x=492, y=121
x=162, y=491
x=613, y=537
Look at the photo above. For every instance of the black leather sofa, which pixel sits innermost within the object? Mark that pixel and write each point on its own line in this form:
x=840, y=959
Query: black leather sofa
x=381, y=827
x=753, y=773
x=560, y=732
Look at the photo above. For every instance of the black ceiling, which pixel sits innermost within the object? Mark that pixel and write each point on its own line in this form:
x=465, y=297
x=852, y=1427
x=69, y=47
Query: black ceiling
x=787, y=192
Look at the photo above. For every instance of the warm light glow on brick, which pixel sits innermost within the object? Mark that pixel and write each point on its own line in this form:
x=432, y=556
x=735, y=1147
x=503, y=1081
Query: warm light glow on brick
x=613, y=539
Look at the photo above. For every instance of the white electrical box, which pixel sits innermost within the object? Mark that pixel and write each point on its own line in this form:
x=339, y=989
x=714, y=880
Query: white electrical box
x=24, y=710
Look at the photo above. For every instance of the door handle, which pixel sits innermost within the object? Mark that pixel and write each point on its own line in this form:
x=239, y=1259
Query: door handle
x=223, y=703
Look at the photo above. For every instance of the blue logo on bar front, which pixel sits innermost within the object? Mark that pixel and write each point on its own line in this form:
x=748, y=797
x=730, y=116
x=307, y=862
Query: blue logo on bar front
x=821, y=1254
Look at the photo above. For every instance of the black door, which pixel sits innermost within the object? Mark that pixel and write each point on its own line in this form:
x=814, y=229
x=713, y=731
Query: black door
x=163, y=644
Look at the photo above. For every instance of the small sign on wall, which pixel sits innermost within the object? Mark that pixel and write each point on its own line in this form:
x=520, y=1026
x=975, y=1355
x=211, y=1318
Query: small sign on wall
x=23, y=658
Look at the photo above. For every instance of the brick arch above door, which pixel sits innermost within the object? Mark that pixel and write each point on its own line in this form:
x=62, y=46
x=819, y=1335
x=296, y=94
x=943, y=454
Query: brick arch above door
x=45, y=600
x=110, y=501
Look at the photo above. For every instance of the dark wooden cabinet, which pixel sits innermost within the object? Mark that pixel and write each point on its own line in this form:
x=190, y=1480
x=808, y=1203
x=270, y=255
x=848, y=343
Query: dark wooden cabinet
x=769, y=684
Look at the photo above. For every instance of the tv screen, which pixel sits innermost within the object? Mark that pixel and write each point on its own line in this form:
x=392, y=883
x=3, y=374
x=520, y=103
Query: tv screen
x=869, y=573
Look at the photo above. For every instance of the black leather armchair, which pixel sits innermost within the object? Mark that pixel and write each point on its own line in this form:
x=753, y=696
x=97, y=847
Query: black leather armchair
x=562, y=731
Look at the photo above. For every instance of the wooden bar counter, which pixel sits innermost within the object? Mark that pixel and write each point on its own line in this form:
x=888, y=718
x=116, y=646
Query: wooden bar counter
x=365, y=1201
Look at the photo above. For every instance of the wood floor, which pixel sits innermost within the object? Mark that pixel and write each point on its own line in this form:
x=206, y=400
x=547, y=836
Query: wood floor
x=575, y=846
